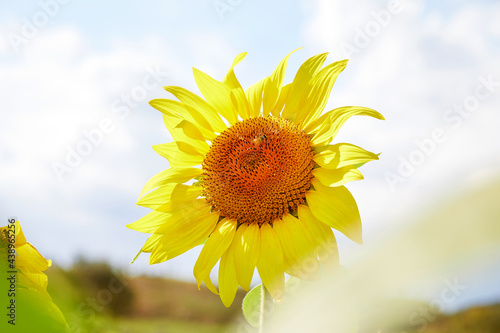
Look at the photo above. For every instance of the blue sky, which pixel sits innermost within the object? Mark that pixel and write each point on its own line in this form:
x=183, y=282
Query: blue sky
x=62, y=81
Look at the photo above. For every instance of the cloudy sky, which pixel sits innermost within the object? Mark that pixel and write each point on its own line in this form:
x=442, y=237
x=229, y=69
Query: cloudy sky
x=77, y=76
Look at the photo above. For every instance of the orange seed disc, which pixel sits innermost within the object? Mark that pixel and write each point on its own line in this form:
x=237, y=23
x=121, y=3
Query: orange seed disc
x=258, y=170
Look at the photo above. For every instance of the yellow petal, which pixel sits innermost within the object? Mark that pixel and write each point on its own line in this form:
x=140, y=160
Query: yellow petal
x=210, y=285
x=20, y=238
x=336, y=118
x=323, y=235
x=254, y=96
x=179, y=154
x=183, y=199
x=161, y=222
x=150, y=222
x=183, y=236
x=185, y=131
x=335, y=207
x=238, y=97
x=228, y=284
x=176, y=108
x=214, y=248
x=300, y=86
x=169, y=192
x=217, y=94
x=192, y=209
x=246, y=253
x=195, y=104
x=182, y=207
x=276, y=111
x=171, y=175
x=230, y=79
x=341, y=155
x=322, y=84
x=337, y=177
x=298, y=252
x=273, y=86
x=270, y=264
x=30, y=259
x=240, y=102
x=158, y=196
x=151, y=243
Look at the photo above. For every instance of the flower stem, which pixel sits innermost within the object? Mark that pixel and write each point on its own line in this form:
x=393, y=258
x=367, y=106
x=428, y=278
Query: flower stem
x=266, y=307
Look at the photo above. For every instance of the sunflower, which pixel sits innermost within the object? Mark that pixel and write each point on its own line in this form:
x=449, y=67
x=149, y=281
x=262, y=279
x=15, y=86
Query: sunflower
x=254, y=178
x=23, y=279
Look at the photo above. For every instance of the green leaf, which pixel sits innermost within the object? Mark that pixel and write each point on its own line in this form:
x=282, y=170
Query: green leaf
x=251, y=306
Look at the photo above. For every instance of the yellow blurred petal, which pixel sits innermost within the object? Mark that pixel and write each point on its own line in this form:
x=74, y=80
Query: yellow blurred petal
x=179, y=154
x=298, y=253
x=336, y=118
x=33, y=280
x=31, y=259
x=322, y=234
x=20, y=238
x=270, y=264
x=272, y=88
x=176, y=108
x=337, y=177
x=322, y=84
x=228, y=284
x=182, y=237
x=254, y=96
x=217, y=94
x=214, y=248
x=336, y=207
x=341, y=155
x=246, y=253
x=300, y=86
x=16, y=228
x=195, y=104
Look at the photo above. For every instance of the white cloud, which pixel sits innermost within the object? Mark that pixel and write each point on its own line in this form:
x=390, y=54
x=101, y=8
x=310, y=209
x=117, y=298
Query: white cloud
x=413, y=71
x=52, y=93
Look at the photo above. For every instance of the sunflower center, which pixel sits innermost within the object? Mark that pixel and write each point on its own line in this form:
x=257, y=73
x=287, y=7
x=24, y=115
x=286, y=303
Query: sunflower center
x=258, y=170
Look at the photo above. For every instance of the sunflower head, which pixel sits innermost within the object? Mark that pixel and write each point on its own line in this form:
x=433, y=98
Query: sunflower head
x=258, y=170
x=269, y=186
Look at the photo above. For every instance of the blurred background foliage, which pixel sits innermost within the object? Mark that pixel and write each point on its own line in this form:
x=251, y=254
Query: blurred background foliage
x=155, y=305
x=137, y=304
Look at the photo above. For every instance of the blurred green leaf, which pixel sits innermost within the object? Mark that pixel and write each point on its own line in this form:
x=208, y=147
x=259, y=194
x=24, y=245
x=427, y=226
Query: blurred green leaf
x=251, y=306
